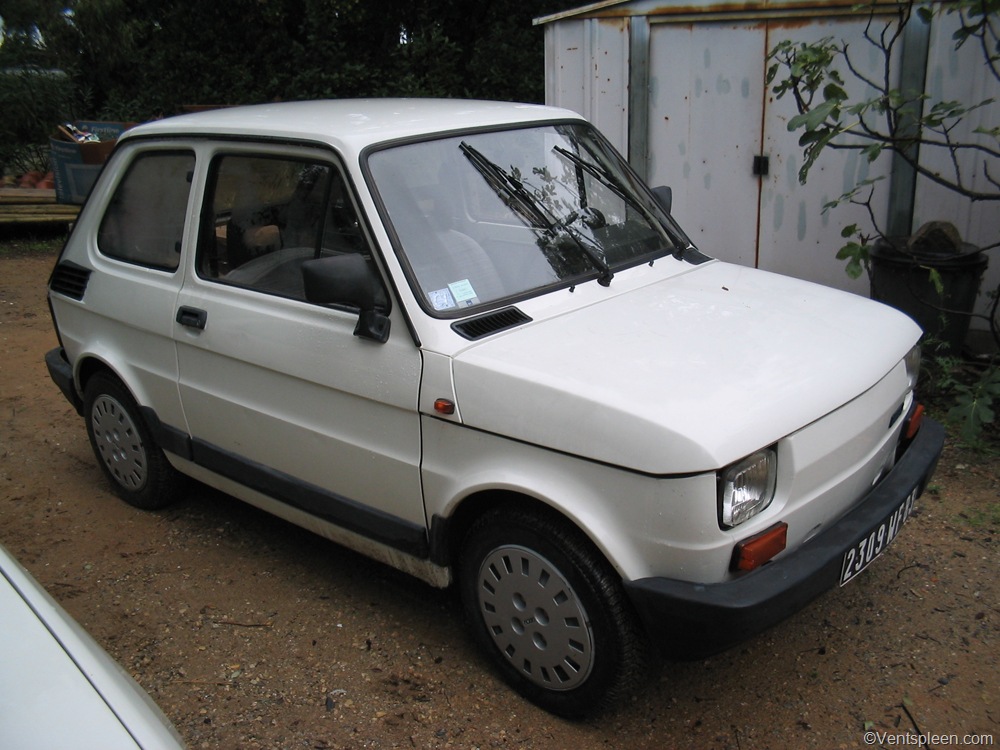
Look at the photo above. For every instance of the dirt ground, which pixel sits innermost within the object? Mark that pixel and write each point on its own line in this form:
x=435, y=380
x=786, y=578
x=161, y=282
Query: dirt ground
x=251, y=633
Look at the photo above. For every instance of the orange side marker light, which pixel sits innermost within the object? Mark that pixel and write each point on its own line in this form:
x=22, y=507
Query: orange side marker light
x=753, y=552
x=913, y=424
x=444, y=406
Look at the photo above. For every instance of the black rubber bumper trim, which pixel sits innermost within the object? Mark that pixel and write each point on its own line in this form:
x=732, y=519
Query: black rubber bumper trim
x=61, y=372
x=693, y=620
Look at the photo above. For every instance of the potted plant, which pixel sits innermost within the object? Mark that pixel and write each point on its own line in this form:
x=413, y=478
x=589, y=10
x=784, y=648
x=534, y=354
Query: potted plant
x=931, y=273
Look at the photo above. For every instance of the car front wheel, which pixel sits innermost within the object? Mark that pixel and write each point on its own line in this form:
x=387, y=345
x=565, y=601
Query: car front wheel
x=136, y=467
x=550, y=612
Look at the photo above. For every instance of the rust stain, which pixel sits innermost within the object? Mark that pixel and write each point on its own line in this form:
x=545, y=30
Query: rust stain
x=751, y=6
x=792, y=23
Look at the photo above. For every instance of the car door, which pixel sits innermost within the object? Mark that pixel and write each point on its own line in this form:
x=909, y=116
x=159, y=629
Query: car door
x=278, y=392
x=136, y=252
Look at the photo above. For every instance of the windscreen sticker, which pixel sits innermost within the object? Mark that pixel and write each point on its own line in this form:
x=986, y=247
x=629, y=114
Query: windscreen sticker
x=463, y=293
x=441, y=299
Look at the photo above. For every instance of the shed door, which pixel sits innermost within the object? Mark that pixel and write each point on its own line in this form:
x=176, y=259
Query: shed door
x=706, y=101
x=795, y=236
x=710, y=114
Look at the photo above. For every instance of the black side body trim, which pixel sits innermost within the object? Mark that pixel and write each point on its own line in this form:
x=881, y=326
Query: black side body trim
x=169, y=438
x=349, y=514
x=440, y=549
x=382, y=527
x=694, y=620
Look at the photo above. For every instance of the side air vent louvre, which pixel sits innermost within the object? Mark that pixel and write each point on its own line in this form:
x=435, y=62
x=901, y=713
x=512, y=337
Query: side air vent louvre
x=484, y=325
x=70, y=279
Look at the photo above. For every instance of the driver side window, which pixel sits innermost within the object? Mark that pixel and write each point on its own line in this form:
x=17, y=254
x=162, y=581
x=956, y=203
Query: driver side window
x=265, y=216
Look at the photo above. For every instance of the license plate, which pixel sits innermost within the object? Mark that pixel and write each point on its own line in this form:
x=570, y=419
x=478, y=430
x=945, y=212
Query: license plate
x=860, y=556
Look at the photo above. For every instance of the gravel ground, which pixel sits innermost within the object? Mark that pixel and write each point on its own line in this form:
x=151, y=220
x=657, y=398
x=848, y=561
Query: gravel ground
x=251, y=633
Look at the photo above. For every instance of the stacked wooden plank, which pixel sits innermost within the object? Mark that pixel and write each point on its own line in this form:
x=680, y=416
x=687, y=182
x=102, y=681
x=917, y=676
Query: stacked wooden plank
x=34, y=206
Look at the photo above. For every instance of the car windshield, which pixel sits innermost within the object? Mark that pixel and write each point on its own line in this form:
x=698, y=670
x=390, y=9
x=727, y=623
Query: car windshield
x=491, y=216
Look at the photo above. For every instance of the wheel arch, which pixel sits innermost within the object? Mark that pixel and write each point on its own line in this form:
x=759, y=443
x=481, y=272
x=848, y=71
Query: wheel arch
x=447, y=534
x=91, y=365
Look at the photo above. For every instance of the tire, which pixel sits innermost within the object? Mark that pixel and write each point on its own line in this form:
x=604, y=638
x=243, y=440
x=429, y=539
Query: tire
x=136, y=467
x=550, y=613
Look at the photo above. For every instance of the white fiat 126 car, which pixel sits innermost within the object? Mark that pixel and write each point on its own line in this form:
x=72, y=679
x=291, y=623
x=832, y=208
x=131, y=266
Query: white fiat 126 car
x=464, y=339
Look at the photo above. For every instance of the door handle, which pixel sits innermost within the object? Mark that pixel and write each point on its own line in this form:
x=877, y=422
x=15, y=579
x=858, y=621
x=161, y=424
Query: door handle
x=192, y=317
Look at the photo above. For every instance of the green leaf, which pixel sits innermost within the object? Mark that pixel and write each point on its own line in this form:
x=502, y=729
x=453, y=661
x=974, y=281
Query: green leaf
x=813, y=118
x=973, y=406
x=935, y=278
x=971, y=415
x=848, y=251
x=833, y=92
x=873, y=151
x=853, y=269
x=856, y=256
x=829, y=108
x=811, y=137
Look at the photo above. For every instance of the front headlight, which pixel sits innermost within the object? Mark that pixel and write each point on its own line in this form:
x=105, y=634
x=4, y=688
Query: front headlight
x=747, y=487
x=912, y=363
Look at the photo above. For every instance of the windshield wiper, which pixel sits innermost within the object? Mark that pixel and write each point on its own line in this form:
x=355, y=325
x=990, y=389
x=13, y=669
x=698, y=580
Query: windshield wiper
x=520, y=200
x=511, y=191
x=589, y=248
x=605, y=177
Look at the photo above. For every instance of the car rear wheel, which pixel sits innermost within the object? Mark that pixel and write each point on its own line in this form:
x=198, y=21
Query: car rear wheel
x=550, y=612
x=136, y=467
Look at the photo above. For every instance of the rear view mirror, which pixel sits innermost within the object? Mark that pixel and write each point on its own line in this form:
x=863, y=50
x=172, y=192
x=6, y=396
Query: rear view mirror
x=348, y=280
x=664, y=196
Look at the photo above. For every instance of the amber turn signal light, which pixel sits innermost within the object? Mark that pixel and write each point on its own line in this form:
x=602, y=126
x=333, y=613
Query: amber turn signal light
x=444, y=406
x=912, y=425
x=753, y=552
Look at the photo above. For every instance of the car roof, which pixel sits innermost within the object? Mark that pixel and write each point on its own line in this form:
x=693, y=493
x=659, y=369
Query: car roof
x=351, y=124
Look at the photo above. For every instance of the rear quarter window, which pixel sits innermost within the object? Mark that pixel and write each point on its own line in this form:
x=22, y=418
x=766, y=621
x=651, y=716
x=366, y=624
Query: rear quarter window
x=144, y=223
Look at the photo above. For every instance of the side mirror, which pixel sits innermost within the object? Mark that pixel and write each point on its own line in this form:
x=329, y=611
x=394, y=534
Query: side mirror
x=348, y=280
x=664, y=196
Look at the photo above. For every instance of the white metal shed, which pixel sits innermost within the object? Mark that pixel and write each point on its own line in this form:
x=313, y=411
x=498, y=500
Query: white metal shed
x=679, y=86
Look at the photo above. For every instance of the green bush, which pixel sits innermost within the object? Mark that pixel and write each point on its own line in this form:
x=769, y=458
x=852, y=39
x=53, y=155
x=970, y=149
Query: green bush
x=32, y=102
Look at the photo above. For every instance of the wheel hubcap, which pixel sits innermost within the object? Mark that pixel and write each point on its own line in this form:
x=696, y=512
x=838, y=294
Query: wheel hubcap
x=118, y=442
x=535, y=618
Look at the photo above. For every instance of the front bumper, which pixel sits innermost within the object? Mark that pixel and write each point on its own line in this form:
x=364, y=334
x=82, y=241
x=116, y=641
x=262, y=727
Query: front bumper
x=693, y=619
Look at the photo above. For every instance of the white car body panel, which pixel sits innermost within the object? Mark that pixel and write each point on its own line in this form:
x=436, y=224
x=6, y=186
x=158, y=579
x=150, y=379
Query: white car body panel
x=290, y=387
x=629, y=376
x=58, y=688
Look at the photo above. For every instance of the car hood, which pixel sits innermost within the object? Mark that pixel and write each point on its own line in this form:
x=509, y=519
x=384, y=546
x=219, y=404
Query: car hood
x=684, y=375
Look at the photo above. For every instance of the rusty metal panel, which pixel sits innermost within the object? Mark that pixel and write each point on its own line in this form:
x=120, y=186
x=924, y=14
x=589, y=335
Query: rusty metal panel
x=587, y=70
x=609, y=84
x=796, y=236
x=705, y=109
x=565, y=63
